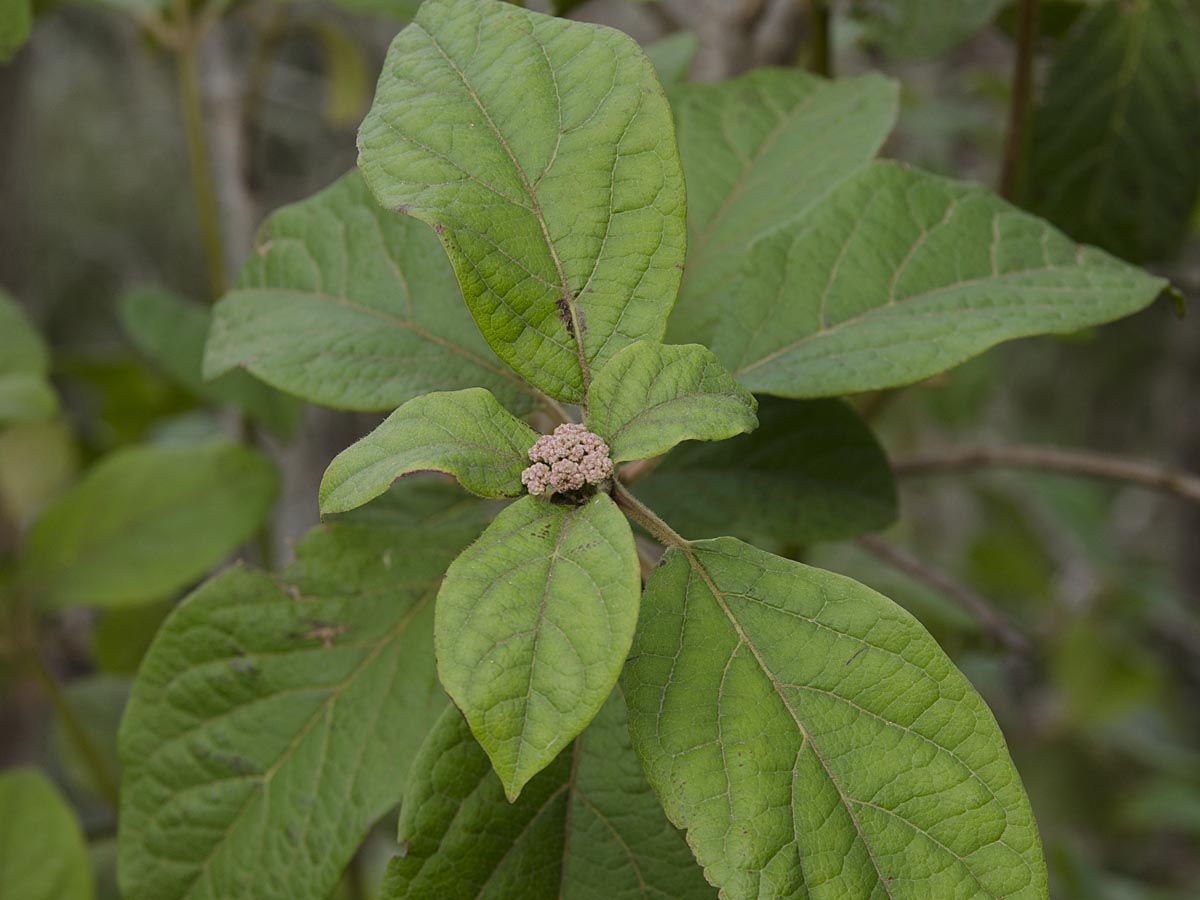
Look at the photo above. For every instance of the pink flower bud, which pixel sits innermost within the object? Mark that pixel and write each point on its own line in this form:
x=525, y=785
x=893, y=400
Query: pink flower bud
x=568, y=460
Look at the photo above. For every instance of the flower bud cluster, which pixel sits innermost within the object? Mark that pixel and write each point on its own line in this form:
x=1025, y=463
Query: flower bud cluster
x=567, y=460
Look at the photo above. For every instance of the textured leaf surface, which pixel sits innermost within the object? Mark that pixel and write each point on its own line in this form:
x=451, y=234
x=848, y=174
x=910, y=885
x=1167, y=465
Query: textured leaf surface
x=273, y=720
x=758, y=151
x=652, y=396
x=466, y=434
x=146, y=522
x=171, y=332
x=42, y=851
x=347, y=305
x=922, y=29
x=1114, y=159
x=543, y=153
x=815, y=741
x=533, y=624
x=811, y=472
x=899, y=275
x=587, y=828
x=25, y=391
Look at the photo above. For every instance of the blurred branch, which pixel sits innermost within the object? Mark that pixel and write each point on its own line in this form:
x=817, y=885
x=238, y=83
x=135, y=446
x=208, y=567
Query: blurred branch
x=994, y=624
x=1049, y=459
x=820, y=44
x=203, y=189
x=1016, y=140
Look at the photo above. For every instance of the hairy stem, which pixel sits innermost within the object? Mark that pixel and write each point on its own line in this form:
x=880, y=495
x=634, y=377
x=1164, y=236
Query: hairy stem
x=1016, y=139
x=820, y=44
x=636, y=510
x=204, y=191
x=1051, y=459
x=995, y=625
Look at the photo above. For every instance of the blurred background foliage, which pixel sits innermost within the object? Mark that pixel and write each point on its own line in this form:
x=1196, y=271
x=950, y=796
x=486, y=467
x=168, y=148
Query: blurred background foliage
x=1089, y=648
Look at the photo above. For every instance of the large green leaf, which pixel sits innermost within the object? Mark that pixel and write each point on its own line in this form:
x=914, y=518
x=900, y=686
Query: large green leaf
x=42, y=852
x=815, y=741
x=466, y=434
x=542, y=152
x=922, y=29
x=587, y=828
x=533, y=624
x=1114, y=158
x=145, y=522
x=650, y=397
x=273, y=721
x=171, y=332
x=811, y=472
x=899, y=275
x=25, y=391
x=758, y=151
x=347, y=305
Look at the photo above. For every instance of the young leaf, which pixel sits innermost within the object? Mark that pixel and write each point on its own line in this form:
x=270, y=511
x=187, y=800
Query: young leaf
x=145, y=522
x=813, y=471
x=922, y=29
x=1114, y=160
x=42, y=852
x=349, y=306
x=587, y=828
x=542, y=152
x=171, y=332
x=899, y=275
x=534, y=621
x=650, y=397
x=25, y=391
x=466, y=434
x=816, y=742
x=272, y=723
x=758, y=151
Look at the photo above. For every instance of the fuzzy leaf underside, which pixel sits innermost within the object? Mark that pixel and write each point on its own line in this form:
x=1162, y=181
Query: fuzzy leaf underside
x=815, y=741
x=467, y=434
x=1113, y=159
x=43, y=855
x=273, y=719
x=145, y=522
x=899, y=275
x=171, y=332
x=348, y=305
x=812, y=471
x=758, y=151
x=650, y=397
x=586, y=828
x=544, y=156
x=534, y=621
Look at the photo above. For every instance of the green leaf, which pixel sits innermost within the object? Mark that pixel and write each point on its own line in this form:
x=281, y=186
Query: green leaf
x=899, y=275
x=1113, y=159
x=758, y=152
x=37, y=461
x=922, y=29
x=145, y=522
x=816, y=742
x=542, y=152
x=347, y=305
x=533, y=624
x=42, y=851
x=171, y=332
x=16, y=22
x=25, y=391
x=466, y=434
x=272, y=722
x=673, y=57
x=587, y=828
x=812, y=471
x=650, y=397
